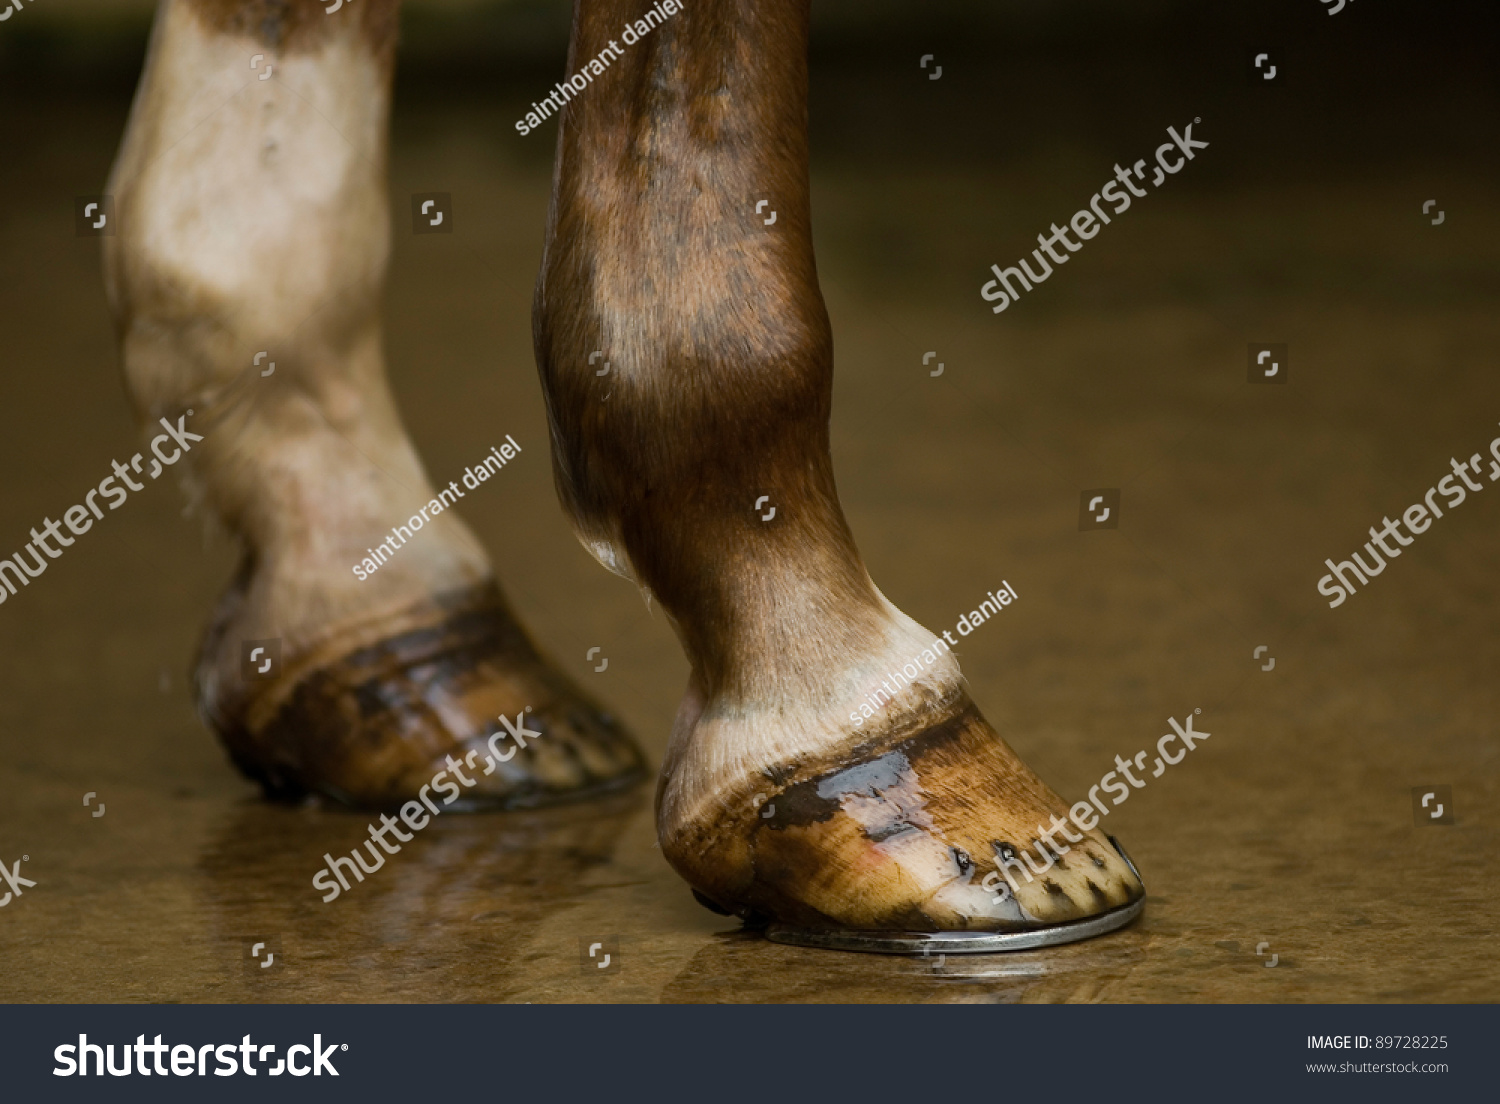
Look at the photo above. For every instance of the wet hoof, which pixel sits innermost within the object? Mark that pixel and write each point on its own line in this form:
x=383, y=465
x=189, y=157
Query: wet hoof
x=373, y=714
x=934, y=828
x=927, y=944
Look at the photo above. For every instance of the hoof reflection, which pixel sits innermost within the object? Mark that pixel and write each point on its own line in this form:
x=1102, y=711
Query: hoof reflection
x=456, y=907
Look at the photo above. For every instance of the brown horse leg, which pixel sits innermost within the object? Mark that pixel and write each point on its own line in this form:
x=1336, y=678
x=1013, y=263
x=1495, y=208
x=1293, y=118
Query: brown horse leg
x=252, y=215
x=779, y=798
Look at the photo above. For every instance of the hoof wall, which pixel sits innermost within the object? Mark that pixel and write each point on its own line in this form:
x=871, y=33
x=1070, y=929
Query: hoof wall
x=962, y=942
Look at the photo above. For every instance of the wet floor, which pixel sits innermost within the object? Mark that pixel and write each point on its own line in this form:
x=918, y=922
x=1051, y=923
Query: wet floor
x=1287, y=858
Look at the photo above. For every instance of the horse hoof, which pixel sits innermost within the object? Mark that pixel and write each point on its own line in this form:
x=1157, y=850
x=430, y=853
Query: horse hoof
x=930, y=838
x=448, y=698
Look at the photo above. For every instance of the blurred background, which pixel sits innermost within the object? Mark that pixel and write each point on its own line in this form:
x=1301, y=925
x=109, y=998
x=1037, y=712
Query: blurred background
x=1294, y=826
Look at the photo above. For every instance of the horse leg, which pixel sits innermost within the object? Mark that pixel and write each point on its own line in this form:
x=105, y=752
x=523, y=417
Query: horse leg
x=783, y=794
x=252, y=216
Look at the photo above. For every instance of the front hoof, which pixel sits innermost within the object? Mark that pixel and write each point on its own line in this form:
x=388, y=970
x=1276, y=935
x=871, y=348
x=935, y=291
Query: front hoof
x=933, y=828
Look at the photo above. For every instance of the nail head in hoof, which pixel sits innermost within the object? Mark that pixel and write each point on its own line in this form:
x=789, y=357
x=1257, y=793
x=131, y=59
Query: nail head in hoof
x=962, y=942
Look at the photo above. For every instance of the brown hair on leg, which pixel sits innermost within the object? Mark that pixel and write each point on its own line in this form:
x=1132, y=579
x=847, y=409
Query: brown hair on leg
x=713, y=323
